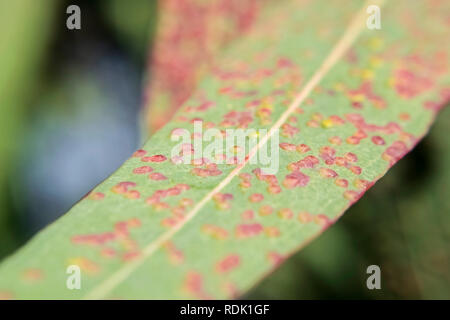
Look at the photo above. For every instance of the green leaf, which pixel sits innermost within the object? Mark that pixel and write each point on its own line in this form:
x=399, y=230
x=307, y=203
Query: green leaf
x=349, y=103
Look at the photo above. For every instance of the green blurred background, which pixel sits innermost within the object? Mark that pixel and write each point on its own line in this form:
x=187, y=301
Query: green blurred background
x=69, y=102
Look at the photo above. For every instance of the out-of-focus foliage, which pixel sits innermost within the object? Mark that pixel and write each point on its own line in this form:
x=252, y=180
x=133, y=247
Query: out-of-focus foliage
x=134, y=22
x=191, y=35
x=24, y=37
x=84, y=132
x=77, y=104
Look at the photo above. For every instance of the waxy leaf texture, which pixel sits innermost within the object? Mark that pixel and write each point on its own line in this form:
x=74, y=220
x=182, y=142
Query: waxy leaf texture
x=349, y=102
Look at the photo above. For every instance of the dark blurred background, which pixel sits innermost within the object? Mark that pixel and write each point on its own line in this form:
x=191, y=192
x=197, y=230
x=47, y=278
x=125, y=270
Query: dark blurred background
x=70, y=102
x=75, y=103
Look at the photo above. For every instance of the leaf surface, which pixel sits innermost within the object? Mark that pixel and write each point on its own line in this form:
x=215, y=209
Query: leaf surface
x=348, y=102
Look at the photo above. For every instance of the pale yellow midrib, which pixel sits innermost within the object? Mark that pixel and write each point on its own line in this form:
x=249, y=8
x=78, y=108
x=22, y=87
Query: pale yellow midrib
x=350, y=35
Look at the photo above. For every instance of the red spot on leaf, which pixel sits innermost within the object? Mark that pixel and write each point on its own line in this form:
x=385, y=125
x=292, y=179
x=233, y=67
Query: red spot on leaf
x=351, y=157
x=378, y=140
x=122, y=187
x=96, y=196
x=157, y=176
x=223, y=200
x=285, y=213
x=288, y=146
x=215, y=231
x=248, y=230
x=328, y=173
x=327, y=154
x=133, y=194
x=275, y=258
x=210, y=170
x=139, y=153
x=340, y=161
x=32, y=275
x=229, y=263
x=129, y=256
x=248, y=215
x=409, y=84
x=288, y=131
x=395, y=152
x=303, y=148
x=308, y=162
x=175, y=255
x=356, y=170
x=352, y=195
x=335, y=140
x=246, y=180
x=362, y=184
x=193, y=284
x=272, y=232
x=154, y=158
x=143, y=169
x=341, y=183
x=304, y=217
x=86, y=265
x=323, y=221
x=265, y=210
x=295, y=179
x=256, y=197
